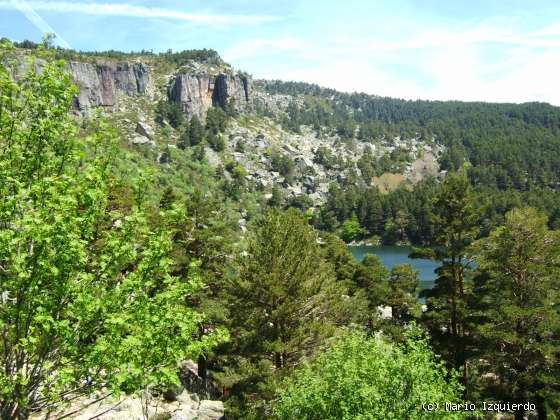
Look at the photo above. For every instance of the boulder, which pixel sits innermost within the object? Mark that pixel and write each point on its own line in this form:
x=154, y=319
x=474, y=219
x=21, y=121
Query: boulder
x=140, y=140
x=144, y=130
x=211, y=410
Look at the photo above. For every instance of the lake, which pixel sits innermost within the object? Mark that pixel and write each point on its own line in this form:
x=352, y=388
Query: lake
x=394, y=255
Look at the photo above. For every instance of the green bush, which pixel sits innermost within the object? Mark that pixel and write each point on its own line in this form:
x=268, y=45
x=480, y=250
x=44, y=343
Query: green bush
x=369, y=378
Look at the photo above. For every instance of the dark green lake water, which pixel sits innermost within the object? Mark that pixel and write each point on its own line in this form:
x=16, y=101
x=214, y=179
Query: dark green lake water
x=394, y=255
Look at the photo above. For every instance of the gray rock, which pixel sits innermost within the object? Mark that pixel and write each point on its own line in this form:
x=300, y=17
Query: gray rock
x=139, y=140
x=98, y=83
x=144, y=130
x=227, y=88
x=211, y=410
x=193, y=92
x=87, y=80
x=197, y=92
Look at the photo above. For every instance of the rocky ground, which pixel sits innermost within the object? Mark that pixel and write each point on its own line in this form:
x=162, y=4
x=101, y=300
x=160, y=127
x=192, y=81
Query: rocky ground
x=185, y=406
x=188, y=401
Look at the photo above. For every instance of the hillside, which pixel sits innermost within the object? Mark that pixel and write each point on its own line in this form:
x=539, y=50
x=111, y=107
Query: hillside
x=296, y=141
x=174, y=233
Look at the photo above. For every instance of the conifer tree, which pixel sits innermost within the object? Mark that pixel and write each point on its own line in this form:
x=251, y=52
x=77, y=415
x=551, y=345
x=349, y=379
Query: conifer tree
x=456, y=227
x=284, y=302
x=403, y=288
x=518, y=317
x=196, y=131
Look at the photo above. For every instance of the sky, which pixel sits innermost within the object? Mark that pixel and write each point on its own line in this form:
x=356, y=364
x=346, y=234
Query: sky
x=472, y=50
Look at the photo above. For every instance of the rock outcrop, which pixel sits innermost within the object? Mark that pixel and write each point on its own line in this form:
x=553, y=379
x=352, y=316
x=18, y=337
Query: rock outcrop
x=99, y=83
x=193, y=91
x=227, y=88
x=185, y=406
x=197, y=92
x=144, y=130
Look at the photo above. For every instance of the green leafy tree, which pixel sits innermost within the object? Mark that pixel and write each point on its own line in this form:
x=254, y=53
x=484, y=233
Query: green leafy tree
x=87, y=298
x=369, y=378
x=351, y=229
x=518, y=318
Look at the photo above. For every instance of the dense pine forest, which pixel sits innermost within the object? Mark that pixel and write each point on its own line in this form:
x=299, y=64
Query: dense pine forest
x=119, y=264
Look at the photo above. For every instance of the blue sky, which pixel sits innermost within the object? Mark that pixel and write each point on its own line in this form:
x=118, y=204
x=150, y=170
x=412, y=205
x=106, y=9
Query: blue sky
x=491, y=50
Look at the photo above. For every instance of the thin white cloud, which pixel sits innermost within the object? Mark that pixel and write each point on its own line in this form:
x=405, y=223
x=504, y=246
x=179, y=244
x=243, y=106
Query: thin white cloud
x=40, y=23
x=124, y=9
x=490, y=61
x=254, y=47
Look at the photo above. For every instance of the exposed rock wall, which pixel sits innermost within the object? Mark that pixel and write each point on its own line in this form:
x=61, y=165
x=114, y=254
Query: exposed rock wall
x=197, y=92
x=193, y=91
x=99, y=83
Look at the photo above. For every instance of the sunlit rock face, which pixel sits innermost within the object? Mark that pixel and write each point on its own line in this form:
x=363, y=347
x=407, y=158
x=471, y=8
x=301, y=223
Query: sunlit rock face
x=197, y=92
x=99, y=84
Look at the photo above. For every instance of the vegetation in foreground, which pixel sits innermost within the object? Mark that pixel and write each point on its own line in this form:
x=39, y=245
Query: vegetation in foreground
x=109, y=279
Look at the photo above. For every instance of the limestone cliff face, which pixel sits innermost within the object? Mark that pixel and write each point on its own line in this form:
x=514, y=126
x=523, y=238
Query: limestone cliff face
x=99, y=83
x=197, y=92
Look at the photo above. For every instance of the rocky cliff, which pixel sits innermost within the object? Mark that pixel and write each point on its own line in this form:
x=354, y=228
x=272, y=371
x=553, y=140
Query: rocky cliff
x=99, y=83
x=197, y=92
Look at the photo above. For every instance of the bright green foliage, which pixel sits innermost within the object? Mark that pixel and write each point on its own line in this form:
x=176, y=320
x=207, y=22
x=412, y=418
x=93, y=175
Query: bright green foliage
x=87, y=299
x=351, y=229
x=369, y=378
x=517, y=310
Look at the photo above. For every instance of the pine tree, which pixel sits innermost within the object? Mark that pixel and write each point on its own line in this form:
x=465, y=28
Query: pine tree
x=403, y=288
x=184, y=139
x=519, y=318
x=285, y=300
x=195, y=131
x=456, y=227
x=372, y=277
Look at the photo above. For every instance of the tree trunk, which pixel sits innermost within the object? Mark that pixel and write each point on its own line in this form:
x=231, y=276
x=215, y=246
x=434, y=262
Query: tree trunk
x=541, y=408
x=202, y=367
x=278, y=360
